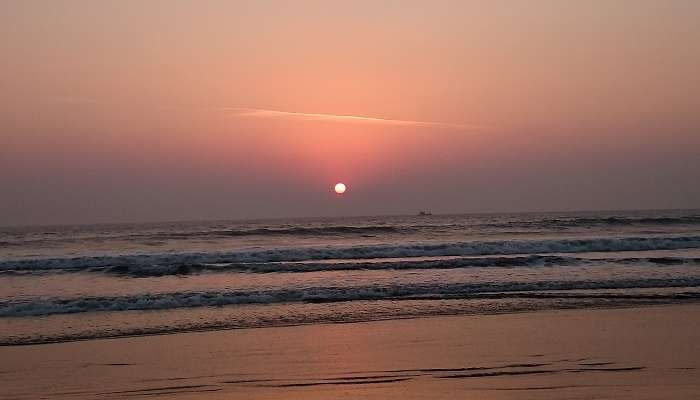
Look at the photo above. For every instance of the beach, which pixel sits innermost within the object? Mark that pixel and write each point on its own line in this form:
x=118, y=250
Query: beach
x=461, y=199
x=622, y=353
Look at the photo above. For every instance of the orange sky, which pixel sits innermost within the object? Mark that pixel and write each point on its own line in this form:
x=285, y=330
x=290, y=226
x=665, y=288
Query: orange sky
x=152, y=110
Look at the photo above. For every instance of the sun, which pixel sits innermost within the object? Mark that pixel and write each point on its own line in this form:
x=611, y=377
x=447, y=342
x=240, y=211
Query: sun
x=340, y=188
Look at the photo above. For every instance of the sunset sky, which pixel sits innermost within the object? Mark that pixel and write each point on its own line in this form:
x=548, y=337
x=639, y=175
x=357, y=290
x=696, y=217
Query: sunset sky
x=177, y=110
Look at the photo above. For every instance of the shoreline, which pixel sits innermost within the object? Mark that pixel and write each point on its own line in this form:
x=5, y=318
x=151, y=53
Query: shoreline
x=359, y=321
x=620, y=353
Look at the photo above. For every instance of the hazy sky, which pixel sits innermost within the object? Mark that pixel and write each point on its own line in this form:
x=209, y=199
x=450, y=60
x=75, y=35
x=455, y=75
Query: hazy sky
x=173, y=110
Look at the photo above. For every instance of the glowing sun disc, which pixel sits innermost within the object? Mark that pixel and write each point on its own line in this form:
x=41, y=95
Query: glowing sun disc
x=340, y=188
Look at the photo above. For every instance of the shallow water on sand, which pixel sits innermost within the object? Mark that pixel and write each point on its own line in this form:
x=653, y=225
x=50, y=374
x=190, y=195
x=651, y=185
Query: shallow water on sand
x=621, y=354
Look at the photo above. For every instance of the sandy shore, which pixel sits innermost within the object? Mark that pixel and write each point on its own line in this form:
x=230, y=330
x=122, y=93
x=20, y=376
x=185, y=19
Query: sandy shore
x=636, y=353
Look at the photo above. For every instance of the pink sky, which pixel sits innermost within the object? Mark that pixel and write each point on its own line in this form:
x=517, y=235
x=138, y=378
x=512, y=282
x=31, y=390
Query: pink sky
x=172, y=110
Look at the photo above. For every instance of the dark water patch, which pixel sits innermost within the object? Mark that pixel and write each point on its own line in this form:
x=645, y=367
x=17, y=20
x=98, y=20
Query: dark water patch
x=71, y=392
x=459, y=369
x=116, y=364
x=537, y=388
x=367, y=382
x=367, y=377
x=171, y=392
x=160, y=389
x=625, y=369
x=498, y=373
x=251, y=381
x=182, y=378
x=594, y=364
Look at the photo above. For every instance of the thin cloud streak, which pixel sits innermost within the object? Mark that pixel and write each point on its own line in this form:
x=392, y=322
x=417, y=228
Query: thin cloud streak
x=262, y=113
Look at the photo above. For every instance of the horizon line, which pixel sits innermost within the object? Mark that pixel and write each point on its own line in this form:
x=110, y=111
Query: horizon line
x=245, y=219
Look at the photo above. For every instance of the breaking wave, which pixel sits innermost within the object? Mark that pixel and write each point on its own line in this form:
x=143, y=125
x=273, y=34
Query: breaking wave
x=135, y=262
x=403, y=264
x=164, y=301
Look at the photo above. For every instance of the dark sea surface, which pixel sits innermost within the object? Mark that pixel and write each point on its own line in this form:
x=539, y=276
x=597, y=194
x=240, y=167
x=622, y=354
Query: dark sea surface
x=63, y=283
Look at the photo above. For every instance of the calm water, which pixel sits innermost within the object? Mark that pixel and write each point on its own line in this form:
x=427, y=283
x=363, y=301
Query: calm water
x=78, y=282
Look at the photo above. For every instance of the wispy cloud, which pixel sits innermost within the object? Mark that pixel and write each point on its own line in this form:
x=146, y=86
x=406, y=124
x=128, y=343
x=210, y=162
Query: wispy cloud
x=262, y=113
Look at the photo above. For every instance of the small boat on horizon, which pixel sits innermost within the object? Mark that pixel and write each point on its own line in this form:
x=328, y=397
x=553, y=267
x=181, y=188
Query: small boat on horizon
x=424, y=213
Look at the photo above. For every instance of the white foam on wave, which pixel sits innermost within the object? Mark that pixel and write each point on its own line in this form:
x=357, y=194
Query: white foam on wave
x=399, y=264
x=472, y=248
x=164, y=301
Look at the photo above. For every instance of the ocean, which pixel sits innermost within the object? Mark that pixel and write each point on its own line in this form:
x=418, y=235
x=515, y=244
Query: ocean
x=66, y=283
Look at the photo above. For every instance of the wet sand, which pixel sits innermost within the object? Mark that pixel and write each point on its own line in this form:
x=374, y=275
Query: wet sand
x=634, y=353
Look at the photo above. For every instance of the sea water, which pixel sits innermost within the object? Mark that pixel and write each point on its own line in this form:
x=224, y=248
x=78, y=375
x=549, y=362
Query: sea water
x=63, y=283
